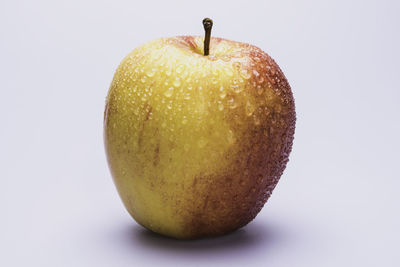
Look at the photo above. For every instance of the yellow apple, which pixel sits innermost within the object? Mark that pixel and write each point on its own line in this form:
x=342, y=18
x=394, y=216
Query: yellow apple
x=196, y=143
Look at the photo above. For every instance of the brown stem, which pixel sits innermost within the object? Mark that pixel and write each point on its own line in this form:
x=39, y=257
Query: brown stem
x=207, y=23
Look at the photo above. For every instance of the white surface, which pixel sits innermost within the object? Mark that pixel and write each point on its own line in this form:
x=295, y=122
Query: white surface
x=336, y=204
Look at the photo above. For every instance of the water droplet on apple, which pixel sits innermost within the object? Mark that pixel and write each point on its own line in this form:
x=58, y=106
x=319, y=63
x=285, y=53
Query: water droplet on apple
x=230, y=137
x=245, y=74
x=255, y=72
x=186, y=147
x=169, y=92
x=249, y=108
x=177, y=82
x=226, y=58
x=231, y=102
x=222, y=93
x=179, y=69
x=151, y=72
x=220, y=106
x=236, y=88
x=214, y=71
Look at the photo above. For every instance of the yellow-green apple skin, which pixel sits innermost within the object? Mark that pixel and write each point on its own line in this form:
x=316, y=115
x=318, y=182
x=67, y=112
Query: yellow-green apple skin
x=196, y=143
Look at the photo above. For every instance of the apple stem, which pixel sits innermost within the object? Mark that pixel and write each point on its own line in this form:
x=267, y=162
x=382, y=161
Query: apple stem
x=207, y=23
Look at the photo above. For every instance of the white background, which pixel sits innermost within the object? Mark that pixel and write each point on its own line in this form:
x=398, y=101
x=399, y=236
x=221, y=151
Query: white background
x=337, y=203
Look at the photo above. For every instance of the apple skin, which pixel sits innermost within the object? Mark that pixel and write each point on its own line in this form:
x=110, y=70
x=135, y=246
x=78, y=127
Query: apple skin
x=196, y=144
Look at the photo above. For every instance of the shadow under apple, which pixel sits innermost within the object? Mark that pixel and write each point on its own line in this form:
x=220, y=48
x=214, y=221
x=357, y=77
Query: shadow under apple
x=254, y=235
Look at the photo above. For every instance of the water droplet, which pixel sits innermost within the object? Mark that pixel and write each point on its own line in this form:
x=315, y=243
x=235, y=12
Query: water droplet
x=189, y=87
x=245, y=74
x=255, y=72
x=249, y=108
x=184, y=120
x=143, y=79
x=256, y=120
x=186, y=147
x=231, y=102
x=214, y=80
x=177, y=82
x=222, y=93
x=215, y=71
x=236, y=88
x=169, y=106
x=226, y=58
x=230, y=137
x=150, y=73
x=169, y=92
x=179, y=69
x=220, y=106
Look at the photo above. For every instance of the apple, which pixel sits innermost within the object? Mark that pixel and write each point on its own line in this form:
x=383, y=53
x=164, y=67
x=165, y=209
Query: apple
x=197, y=133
